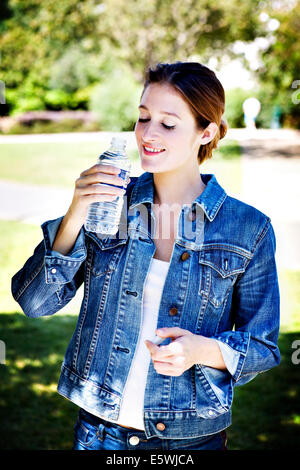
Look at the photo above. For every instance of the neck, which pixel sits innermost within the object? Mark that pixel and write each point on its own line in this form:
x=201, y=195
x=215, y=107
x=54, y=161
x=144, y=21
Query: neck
x=177, y=189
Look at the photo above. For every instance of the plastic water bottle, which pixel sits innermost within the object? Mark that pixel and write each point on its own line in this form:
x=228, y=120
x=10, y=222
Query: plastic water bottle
x=104, y=217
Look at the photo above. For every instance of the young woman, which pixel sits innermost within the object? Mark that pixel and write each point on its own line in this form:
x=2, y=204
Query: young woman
x=195, y=268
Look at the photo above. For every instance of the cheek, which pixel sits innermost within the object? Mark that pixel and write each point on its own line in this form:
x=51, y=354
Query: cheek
x=137, y=132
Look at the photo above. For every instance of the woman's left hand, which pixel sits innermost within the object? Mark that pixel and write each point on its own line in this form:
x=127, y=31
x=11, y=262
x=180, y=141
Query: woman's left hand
x=178, y=356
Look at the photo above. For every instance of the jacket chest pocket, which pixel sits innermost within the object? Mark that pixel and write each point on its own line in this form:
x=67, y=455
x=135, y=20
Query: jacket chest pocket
x=219, y=269
x=104, y=256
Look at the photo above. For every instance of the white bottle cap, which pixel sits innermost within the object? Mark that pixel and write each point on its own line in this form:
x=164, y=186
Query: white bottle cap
x=118, y=143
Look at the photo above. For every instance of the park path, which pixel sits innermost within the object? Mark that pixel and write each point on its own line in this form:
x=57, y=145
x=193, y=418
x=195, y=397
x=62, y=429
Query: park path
x=270, y=182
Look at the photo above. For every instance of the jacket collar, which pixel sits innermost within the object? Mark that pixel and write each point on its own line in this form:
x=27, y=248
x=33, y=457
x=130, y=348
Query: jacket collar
x=210, y=200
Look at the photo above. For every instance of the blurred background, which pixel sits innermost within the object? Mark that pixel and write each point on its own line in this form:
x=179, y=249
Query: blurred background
x=71, y=75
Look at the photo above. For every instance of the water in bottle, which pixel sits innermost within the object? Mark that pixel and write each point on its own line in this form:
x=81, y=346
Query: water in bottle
x=104, y=217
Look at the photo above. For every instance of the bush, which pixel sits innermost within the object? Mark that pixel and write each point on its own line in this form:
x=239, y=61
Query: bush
x=49, y=127
x=74, y=70
x=234, y=113
x=115, y=101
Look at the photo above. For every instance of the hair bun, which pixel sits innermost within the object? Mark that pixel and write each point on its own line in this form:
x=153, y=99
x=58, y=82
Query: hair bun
x=223, y=128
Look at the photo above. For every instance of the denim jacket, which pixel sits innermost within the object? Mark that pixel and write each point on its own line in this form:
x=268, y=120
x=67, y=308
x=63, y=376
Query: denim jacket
x=221, y=283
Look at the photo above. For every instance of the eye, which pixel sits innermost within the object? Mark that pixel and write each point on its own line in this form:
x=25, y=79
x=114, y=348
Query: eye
x=168, y=127
x=164, y=125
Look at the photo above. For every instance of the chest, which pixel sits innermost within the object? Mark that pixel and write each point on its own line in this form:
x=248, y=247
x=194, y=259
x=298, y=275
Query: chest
x=166, y=220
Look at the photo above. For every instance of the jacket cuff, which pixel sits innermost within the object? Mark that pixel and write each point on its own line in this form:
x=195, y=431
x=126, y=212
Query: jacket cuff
x=61, y=268
x=234, y=346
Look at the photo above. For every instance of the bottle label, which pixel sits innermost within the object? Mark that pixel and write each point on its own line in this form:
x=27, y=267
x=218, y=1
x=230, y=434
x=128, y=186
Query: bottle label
x=123, y=174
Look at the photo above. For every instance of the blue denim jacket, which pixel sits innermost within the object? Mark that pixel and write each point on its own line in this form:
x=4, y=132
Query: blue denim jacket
x=222, y=283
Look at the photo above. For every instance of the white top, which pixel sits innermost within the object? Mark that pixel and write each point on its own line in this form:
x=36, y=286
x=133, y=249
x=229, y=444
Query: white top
x=132, y=406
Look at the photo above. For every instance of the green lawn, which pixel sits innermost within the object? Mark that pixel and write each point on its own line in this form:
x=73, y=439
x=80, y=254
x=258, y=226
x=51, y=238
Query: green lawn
x=54, y=164
x=59, y=164
x=266, y=412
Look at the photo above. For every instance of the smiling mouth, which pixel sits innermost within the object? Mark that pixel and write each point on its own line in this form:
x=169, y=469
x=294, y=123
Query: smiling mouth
x=151, y=151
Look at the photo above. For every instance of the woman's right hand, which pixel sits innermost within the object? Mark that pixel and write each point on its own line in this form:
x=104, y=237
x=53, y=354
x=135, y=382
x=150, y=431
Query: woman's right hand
x=91, y=186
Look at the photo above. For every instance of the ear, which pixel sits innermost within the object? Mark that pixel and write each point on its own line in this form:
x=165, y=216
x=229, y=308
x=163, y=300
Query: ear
x=209, y=133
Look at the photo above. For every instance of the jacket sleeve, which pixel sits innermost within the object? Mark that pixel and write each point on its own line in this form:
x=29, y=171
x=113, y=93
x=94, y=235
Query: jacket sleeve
x=252, y=347
x=48, y=279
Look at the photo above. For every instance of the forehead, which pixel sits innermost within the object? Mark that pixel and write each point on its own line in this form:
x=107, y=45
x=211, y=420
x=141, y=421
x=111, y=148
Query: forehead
x=164, y=98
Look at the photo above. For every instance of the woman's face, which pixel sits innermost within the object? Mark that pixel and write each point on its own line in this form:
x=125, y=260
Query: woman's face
x=166, y=131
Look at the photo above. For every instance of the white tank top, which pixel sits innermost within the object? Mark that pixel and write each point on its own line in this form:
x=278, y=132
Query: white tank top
x=131, y=413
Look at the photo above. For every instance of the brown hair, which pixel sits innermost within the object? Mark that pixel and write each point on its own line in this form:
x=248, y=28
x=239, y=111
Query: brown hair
x=202, y=91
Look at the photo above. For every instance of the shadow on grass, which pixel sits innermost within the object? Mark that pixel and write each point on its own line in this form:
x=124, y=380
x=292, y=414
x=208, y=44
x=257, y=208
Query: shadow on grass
x=33, y=416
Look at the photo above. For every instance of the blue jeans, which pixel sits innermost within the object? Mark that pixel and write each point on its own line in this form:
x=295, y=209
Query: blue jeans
x=93, y=433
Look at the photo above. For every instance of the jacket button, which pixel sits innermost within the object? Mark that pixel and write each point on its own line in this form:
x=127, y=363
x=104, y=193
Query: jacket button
x=173, y=311
x=185, y=256
x=134, y=440
x=160, y=427
x=53, y=270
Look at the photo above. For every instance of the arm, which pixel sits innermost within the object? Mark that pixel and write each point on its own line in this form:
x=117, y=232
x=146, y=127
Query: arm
x=252, y=347
x=187, y=350
x=51, y=276
x=48, y=279
x=249, y=349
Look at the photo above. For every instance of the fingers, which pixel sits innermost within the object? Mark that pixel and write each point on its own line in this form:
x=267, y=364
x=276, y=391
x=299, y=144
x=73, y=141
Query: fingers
x=164, y=353
x=173, y=332
x=109, y=169
x=164, y=362
x=100, y=183
x=96, y=175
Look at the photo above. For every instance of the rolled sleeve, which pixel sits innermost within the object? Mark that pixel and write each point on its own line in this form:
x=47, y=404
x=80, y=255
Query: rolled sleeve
x=60, y=268
x=251, y=347
x=48, y=279
x=233, y=358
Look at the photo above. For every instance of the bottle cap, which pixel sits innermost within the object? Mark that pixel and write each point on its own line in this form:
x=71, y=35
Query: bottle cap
x=118, y=143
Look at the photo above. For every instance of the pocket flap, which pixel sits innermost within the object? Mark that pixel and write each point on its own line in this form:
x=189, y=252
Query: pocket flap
x=105, y=242
x=226, y=262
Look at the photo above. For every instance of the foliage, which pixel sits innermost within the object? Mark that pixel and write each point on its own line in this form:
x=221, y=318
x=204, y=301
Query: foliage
x=115, y=101
x=53, y=54
x=69, y=45
x=52, y=127
x=144, y=33
x=234, y=114
x=74, y=70
x=280, y=73
x=34, y=38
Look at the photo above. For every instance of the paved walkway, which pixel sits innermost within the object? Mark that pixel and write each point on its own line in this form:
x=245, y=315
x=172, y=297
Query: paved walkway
x=270, y=173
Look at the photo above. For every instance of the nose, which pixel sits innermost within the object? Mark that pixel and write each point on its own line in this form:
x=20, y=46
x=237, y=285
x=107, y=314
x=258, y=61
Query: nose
x=150, y=133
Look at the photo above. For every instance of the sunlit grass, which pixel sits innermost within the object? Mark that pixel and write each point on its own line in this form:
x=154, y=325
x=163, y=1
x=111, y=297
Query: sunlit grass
x=60, y=163
x=266, y=412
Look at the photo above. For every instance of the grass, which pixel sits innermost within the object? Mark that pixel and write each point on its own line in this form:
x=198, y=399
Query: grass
x=33, y=416
x=60, y=163
x=52, y=164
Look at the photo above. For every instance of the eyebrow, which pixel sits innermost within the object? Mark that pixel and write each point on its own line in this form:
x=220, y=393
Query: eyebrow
x=162, y=112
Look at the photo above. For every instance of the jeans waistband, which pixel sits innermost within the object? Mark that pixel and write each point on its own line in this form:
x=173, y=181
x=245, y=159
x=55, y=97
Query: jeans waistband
x=95, y=421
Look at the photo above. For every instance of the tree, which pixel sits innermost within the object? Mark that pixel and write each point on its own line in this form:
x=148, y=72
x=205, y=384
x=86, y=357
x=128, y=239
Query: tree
x=143, y=33
x=280, y=72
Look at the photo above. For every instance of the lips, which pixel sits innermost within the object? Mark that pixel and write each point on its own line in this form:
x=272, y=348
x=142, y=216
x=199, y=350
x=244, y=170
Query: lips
x=148, y=150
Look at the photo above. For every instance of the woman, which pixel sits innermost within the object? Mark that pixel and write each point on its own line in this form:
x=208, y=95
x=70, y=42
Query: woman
x=196, y=267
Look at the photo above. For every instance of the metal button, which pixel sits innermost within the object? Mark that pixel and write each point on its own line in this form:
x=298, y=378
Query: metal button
x=173, y=311
x=134, y=440
x=53, y=270
x=191, y=216
x=160, y=427
x=185, y=256
x=211, y=413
